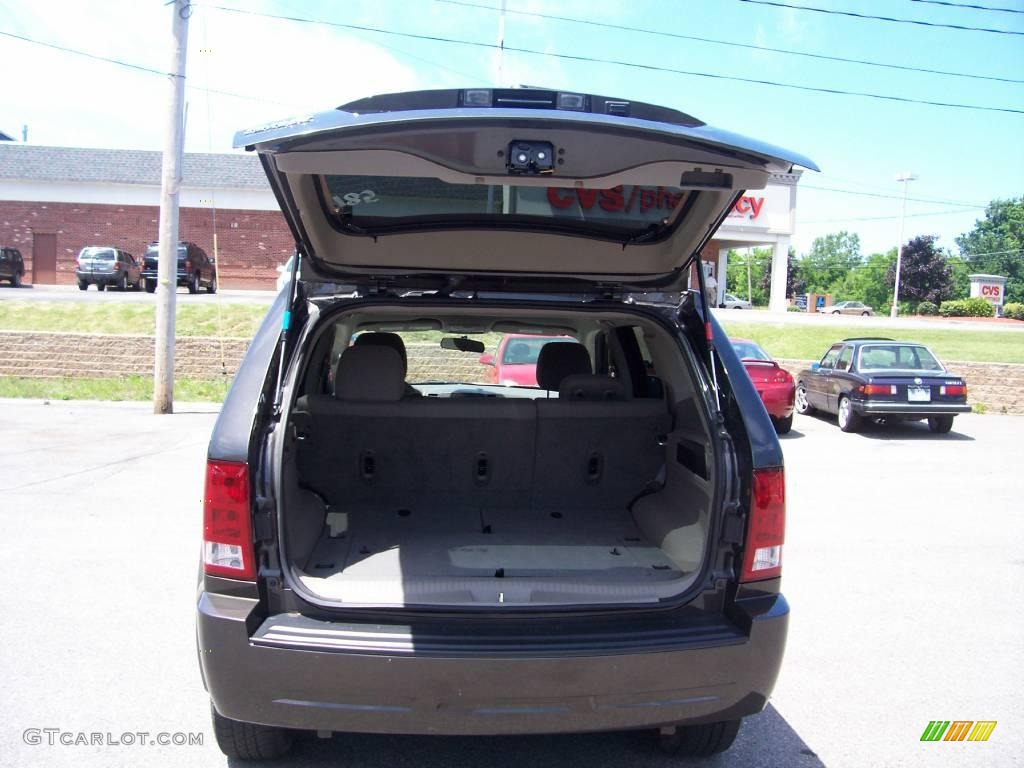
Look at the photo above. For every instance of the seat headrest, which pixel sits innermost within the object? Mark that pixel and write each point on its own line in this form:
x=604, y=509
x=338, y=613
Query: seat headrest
x=368, y=373
x=558, y=359
x=383, y=339
x=590, y=386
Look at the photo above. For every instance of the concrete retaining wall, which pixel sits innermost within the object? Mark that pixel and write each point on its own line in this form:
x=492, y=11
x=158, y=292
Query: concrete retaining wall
x=81, y=355
x=998, y=386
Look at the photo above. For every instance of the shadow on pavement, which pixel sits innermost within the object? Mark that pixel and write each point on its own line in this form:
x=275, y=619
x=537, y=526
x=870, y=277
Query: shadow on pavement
x=896, y=430
x=793, y=434
x=908, y=430
x=764, y=740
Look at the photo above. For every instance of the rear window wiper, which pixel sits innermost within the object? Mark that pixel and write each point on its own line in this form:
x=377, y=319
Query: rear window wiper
x=651, y=232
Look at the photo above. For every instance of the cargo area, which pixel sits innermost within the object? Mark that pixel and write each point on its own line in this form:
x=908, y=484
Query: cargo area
x=590, y=488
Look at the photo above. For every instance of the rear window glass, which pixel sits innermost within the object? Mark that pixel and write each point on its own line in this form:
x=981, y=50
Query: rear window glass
x=520, y=351
x=748, y=350
x=98, y=254
x=897, y=357
x=392, y=202
x=154, y=251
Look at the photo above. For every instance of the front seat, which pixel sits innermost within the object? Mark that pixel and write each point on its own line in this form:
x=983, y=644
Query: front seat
x=559, y=359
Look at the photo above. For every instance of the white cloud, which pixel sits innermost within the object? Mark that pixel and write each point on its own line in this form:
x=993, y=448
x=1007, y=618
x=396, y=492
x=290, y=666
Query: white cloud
x=70, y=100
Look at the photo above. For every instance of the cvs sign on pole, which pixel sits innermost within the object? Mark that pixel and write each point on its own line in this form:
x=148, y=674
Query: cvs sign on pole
x=989, y=287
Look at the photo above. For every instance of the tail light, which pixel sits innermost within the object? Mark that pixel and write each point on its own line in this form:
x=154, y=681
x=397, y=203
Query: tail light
x=117, y=265
x=227, y=521
x=878, y=389
x=782, y=376
x=953, y=390
x=766, y=528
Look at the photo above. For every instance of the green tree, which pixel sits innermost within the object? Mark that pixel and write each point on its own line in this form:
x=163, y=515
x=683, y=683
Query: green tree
x=996, y=245
x=867, y=281
x=925, y=274
x=795, y=283
x=759, y=261
x=830, y=259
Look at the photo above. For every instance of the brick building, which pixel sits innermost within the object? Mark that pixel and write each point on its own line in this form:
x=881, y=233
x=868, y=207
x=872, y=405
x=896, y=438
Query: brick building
x=56, y=200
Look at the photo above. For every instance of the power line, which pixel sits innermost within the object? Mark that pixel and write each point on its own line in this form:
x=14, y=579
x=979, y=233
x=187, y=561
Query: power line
x=730, y=43
x=893, y=19
x=616, y=62
x=947, y=212
x=139, y=68
x=894, y=197
x=969, y=6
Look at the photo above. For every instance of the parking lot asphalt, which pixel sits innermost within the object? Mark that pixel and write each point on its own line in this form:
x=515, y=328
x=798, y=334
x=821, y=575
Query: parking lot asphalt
x=903, y=565
x=71, y=293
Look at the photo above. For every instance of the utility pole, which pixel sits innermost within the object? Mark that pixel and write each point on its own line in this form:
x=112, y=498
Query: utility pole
x=906, y=177
x=750, y=291
x=167, y=272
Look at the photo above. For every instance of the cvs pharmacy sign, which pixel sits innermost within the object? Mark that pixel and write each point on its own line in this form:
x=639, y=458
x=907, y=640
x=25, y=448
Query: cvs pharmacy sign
x=991, y=291
x=747, y=207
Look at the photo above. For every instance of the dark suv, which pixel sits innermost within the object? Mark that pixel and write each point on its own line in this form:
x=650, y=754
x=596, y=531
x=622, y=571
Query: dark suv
x=393, y=543
x=195, y=269
x=12, y=266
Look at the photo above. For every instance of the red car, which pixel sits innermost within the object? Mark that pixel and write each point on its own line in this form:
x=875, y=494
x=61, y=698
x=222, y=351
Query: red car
x=515, y=362
x=774, y=384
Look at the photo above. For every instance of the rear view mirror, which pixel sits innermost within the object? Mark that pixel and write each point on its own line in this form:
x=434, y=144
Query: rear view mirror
x=462, y=344
x=815, y=366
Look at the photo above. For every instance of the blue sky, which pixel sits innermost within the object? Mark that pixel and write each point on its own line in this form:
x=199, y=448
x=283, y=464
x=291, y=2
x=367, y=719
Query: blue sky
x=277, y=68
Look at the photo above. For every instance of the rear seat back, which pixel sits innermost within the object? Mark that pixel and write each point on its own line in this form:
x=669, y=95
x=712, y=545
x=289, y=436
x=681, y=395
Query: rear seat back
x=415, y=452
x=597, y=453
x=368, y=447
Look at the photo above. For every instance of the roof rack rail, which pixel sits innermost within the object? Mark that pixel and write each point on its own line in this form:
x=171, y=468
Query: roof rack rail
x=869, y=338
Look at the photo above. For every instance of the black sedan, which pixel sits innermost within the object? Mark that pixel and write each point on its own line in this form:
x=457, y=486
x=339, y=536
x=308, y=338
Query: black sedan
x=882, y=379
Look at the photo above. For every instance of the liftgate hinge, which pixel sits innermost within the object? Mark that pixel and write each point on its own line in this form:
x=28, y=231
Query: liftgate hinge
x=263, y=519
x=732, y=523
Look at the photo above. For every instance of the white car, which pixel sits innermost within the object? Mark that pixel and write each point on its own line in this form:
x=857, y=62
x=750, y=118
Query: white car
x=284, y=274
x=733, y=302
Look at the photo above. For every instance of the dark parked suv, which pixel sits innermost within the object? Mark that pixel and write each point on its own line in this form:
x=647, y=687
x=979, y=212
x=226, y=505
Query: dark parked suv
x=12, y=266
x=195, y=269
x=395, y=544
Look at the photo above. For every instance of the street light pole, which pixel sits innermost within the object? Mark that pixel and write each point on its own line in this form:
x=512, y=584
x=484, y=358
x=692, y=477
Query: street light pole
x=906, y=177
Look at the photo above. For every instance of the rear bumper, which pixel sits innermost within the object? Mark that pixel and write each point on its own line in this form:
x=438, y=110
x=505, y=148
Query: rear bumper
x=914, y=410
x=152, y=274
x=106, y=278
x=386, y=679
x=778, y=399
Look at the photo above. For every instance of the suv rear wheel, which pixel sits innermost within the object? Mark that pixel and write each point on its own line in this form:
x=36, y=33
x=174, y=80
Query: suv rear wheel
x=212, y=287
x=150, y=286
x=16, y=280
x=82, y=285
x=700, y=740
x=193, y=283
x=248, y=741
x=122, y=282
